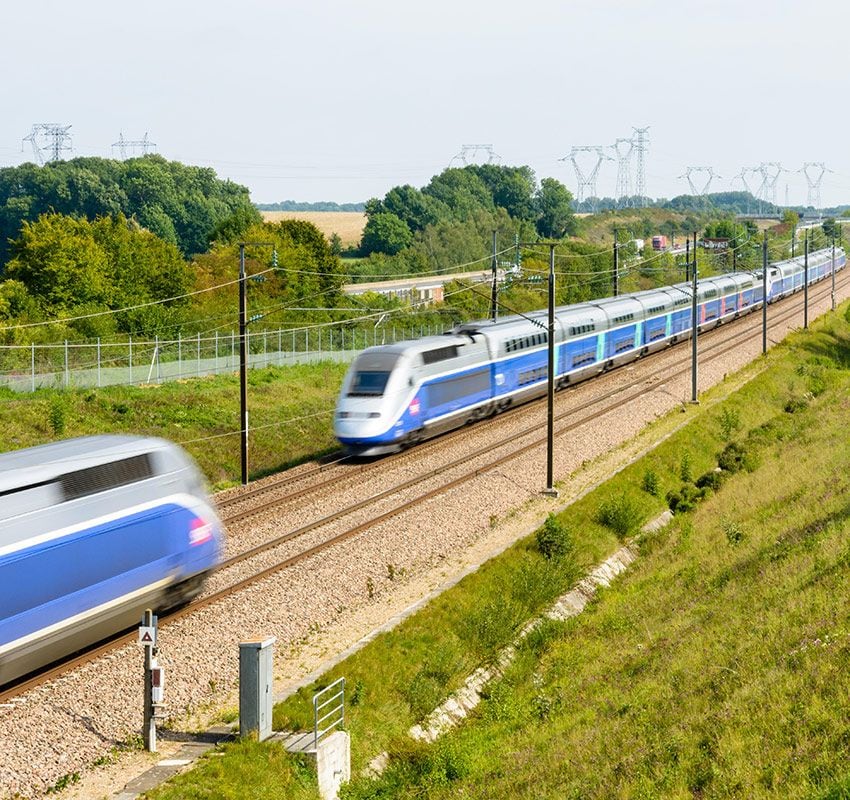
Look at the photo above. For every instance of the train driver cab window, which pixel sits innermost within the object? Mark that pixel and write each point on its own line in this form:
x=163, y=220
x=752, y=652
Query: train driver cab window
x=369, y=383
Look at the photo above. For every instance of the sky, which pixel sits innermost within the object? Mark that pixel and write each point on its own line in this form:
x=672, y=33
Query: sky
x=341, y=101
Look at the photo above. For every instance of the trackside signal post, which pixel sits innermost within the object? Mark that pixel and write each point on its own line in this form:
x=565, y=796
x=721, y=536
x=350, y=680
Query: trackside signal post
x=153, y=678
x=550, y=405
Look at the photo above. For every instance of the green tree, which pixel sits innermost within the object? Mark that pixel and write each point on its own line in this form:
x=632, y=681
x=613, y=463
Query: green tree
x=553, y=204
x=384, y=232
x=58, y=260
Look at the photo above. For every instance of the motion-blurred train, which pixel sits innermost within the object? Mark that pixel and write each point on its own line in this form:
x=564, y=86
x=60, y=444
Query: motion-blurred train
x=397, y=395
x=93, y=531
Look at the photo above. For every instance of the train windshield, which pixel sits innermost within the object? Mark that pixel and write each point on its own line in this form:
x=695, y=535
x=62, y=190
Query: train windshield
x=369, y=383
x=371, y=373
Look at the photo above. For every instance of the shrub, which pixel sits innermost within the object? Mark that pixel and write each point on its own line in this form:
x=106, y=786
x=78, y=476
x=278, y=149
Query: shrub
x=710, y=479
x=620, y=514
x=56, y=415
x=733, y=458
x=796, y=404
x=650, y=483
x=686, y=498
x=553, y=539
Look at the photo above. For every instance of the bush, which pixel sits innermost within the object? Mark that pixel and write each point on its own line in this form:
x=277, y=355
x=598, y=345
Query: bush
x=56, y=415
x=733, y=458
x=553, y=539
x=621, y=515
x=686, y=498
x=710, y=479
x=650, y=483
x=795, y=405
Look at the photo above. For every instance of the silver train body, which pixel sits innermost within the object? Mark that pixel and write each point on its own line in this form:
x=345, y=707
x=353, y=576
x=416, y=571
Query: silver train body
x=93, y=531
x=397, y=395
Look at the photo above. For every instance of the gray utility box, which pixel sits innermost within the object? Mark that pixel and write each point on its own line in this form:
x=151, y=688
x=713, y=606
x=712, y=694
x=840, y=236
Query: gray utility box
x=256, y=665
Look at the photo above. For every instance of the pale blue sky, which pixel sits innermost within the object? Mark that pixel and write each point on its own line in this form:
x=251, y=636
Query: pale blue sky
x=332, y=100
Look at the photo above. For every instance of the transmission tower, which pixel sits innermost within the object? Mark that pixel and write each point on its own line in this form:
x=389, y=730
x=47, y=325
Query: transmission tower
x=770, y=172
x=623, y=149
x=814, y=172
x=469, y=154
x=708, y=171
x=51, y=138
x=641, y=144
x=587, y=176
x=126, y=146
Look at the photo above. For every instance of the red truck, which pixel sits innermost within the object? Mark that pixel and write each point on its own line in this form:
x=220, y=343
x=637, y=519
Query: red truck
x=659, y=242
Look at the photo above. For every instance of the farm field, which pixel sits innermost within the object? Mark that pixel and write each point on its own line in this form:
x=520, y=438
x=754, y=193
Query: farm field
x=715, y=667
x=348, y=225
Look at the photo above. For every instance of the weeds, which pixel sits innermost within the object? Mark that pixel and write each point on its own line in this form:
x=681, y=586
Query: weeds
x=553, y=539
x=730, y=423
x=650, y=483
x=621, y=515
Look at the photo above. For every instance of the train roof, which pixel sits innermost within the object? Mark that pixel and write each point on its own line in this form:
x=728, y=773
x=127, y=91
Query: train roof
x=47, y=461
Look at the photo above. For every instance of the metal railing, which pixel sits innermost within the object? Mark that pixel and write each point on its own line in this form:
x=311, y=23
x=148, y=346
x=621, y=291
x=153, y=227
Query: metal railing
x=334, y=696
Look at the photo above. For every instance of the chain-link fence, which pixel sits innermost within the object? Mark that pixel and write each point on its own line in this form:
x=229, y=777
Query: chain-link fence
x=26, y=368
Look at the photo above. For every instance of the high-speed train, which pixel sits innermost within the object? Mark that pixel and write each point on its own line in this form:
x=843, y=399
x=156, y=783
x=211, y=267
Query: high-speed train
x=93, y=531
x=396, y=395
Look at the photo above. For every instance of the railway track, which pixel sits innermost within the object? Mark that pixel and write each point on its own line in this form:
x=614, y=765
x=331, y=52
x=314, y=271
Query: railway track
x=453, y=473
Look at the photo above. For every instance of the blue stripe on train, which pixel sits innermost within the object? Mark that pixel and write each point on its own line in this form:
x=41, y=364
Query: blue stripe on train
x=58, y=579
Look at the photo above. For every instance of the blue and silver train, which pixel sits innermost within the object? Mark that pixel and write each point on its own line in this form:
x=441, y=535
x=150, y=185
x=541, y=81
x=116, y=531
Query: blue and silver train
x=396, y=395
x=93, y=531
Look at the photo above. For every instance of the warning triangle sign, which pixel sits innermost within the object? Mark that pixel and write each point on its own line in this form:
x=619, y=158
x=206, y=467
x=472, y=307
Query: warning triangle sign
x=146, y=637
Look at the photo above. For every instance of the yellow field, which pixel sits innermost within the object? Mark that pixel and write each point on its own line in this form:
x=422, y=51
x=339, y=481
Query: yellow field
x=348, y=225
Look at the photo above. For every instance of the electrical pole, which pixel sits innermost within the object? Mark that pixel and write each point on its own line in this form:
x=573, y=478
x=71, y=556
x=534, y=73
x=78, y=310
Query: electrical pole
x=688, y=258
x=694, y=324
x=806, y=282
x=243, y=365
x=616, y=275
x=550, y=418
x=764, y=295
x=833, y=267
x=494, y=296
x=243, y=356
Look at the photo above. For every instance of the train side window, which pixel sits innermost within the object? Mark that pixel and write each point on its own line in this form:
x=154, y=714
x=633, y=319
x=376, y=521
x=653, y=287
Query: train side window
x=100, y=478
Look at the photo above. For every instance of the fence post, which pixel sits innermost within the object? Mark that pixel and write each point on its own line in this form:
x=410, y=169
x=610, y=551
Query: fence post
x=306, y=344
x=320, y=344
x=232, y=346
x=130, y=357
x=215, y=369
x=179, y=354
x=265, y=348
x=98, y=361
x=67, y=376
x=32, y=359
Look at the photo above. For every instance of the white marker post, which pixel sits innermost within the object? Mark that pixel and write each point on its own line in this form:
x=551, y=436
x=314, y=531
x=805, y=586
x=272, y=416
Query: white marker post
x=147, y=639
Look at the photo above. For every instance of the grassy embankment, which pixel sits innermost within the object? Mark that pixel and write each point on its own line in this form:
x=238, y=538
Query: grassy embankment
x=290, y=416
x=717, y=667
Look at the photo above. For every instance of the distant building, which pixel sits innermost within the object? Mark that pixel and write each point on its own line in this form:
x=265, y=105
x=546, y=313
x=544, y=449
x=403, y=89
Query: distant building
x=427, y=288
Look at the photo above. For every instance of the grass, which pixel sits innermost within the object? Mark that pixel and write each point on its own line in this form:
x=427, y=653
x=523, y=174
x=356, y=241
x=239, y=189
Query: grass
x=716, y=667
x=245, y=771
x=290, y=416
